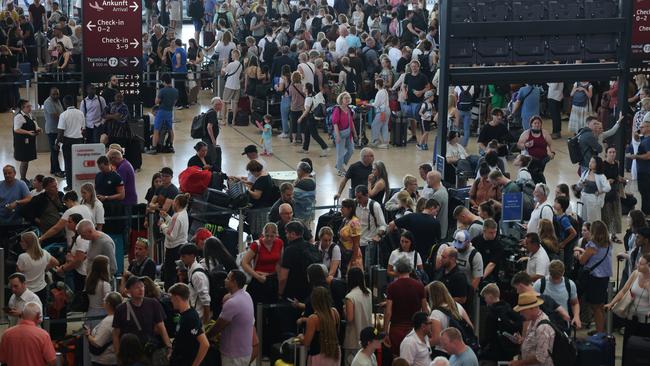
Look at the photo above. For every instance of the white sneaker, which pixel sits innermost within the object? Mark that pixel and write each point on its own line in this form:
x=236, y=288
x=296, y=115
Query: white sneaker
x=325, y=152
x=283, y=136
x=382, y=146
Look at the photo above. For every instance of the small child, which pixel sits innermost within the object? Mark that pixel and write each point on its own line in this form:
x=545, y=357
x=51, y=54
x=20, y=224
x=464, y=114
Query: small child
x=426, y=117
x=267, y=134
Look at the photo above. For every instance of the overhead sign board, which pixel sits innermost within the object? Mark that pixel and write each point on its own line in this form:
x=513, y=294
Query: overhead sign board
x=112, y=31
x=640, y=60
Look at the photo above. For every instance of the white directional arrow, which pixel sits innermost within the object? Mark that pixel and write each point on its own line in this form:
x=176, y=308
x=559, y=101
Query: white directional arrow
x=135, y=43
x=134, y=6
x=135, y=62
x=90, y=26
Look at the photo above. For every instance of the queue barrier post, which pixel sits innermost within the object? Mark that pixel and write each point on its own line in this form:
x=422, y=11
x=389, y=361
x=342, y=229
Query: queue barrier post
x=3, y=316
x=150, y=235
x=476, y=308
x=259, y=327
x=609, y=323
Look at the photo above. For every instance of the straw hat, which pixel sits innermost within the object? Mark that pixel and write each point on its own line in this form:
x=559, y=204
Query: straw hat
x=528, y=300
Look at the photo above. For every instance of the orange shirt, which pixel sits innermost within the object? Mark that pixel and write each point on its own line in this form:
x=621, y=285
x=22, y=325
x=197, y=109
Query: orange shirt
x=26, y=344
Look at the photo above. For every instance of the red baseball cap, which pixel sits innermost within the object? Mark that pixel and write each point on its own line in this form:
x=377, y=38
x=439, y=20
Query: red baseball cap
x=202, y=234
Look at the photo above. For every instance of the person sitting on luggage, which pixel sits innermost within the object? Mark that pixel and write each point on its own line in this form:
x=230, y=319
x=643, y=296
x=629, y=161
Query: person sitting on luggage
x=458, y=157
x=201, y=159
x=537, y=341
x=500, y=319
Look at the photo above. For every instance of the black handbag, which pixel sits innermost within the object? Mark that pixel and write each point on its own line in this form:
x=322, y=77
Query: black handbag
x=584, y=275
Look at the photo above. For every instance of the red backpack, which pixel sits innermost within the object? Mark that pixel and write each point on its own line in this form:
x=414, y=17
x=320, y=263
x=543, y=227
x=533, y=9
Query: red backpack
x=194, y=180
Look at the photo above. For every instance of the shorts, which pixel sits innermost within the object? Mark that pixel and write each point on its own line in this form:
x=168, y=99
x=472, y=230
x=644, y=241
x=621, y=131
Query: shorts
x=235, y=361
x=175, y=11
x=596, y=292
x=198, y=25
x=426, y=125
x=230, y=95
x=411, y=110
x=163, y=119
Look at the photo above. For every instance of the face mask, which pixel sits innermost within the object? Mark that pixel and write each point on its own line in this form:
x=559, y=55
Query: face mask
x=535, y=131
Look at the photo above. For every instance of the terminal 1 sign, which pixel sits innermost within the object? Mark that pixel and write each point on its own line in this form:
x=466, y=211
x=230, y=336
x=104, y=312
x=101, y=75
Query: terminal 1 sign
x=112, y=32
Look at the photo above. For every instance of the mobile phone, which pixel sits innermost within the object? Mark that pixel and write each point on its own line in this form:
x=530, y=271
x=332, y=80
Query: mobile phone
x=291, y=299
x=521, y=225
x=510, y=337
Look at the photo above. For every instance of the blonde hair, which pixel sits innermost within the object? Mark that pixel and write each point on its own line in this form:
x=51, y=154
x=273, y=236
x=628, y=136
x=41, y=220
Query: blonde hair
x=270, y=227
x=296, y=77
x=322, y=305
x=405, y=198
x=89, y=188
x=226, y=38
x=32, y=247
x=409, y=179
x=452, y=101
x=491, y=289
x=439, y=297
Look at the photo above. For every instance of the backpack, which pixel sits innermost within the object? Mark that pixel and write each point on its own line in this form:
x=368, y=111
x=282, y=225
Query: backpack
x=580, y=98
x=573, y=145
x=196, y=9
x=223, y=15
x=425, y=65
x=350, y=82
x=564, y=349
x=527, y=187
x=197, y=130
x=328, y=120
x=465, y=99
x=401, y=31
x=470, y=339
x=168, y=309
x=567, y=285
x=270, y=50
x=217, y=287
x=316, y=25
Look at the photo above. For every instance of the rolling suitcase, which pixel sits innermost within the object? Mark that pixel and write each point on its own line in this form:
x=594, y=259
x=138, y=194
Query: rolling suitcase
x=398, y=129
x=208, y=38
x=636, y=351
x=26, y=72
x=596, y=350
x=133, y=152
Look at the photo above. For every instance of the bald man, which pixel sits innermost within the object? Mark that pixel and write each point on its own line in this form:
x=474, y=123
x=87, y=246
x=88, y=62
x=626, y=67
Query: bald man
x=437, y=191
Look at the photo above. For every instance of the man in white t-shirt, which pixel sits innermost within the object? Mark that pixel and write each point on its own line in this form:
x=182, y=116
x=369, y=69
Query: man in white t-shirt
x=232, y=74
x=76, y=258
x=538, y=261
x=543, y=209
x=306, y=69
x=341, y=42
x=415, y=346
x=71, y=201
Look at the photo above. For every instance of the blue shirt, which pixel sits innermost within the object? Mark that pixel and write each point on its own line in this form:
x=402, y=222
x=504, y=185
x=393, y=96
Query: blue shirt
x=267, y=133
x=353, y=41
x=179, y=51
x=604, y=269
x=168, y=97
x=529, y=102
x=8, y=194
x=208, y=7
x=643, y=166
x=467, y=358
x=565, y=225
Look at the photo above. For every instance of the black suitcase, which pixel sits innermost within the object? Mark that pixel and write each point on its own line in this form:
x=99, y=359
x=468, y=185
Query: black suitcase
x=331, y=218
x=636, y=351
x=596, y=350
x=148, y=90
x=259, y=106
x=243, y=119
x=217, y=198
x=133, y=152
x=398, y=128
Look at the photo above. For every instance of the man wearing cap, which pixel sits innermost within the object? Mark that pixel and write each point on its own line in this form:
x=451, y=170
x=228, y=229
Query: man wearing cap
x=449, y=274
x=148, y=312
x=469, y=259
x=251, y=153
x=370, y=339
x=415, y=346
x=537, y=341
x=198, y=281
x=200, y=236
x=165, y=194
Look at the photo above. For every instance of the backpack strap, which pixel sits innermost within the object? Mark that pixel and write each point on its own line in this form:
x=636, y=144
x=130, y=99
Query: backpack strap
x=472, y=254
x=541, y=210
x=567, y=285
x=542, y=285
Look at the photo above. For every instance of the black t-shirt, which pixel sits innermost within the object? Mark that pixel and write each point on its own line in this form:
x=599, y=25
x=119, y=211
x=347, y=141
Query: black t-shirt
x=169, y=192
x=265, y=184
x=455, y=281
x=402, y=63
x=36, y=15
x=419, y=21
x=491, y=251
x=415, y=82
x=425, y=229
x=146, y=268
x=282, y=233
x=211, y=117
x=106, y=183
x=296, y=259
x=149, y=313
x=499, y=132
x=196, y=161
x=185, y=345
x=358, y=175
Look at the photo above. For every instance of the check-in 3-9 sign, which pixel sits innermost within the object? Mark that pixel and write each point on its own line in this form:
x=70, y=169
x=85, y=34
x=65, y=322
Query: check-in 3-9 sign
x=112, y=32
x=640, y=60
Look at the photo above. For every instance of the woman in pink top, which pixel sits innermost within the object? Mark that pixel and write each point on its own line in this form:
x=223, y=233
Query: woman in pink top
x=344, y=131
